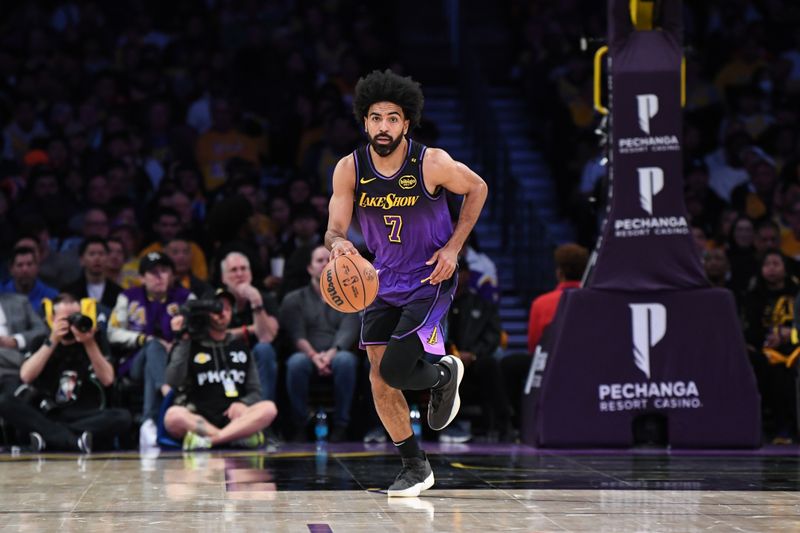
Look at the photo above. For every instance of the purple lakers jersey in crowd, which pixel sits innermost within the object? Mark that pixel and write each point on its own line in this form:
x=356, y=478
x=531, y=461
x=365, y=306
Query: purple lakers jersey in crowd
x=402, y=223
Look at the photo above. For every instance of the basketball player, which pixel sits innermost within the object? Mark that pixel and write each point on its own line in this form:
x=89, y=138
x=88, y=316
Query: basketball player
x=396, y=187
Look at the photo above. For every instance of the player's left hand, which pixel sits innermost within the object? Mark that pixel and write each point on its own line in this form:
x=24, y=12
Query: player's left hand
x=446, y=260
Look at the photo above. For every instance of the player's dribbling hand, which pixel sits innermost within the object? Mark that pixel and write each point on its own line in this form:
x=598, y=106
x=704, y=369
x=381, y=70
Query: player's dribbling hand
x=342, y=247
x=446, y=260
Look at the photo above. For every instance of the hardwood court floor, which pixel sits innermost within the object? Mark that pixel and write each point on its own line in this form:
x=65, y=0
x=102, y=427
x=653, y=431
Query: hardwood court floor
x=478, y=488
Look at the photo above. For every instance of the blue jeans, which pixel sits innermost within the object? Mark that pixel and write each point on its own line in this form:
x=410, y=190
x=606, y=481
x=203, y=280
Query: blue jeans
x=150, y=366
x=299, y=371
x=267, y=362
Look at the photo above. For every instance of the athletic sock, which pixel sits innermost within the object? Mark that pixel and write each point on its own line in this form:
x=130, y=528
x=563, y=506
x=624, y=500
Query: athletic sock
x=444, y=376
x=409, y=448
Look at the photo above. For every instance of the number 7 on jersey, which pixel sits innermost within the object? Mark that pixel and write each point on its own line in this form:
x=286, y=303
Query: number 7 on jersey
x=395, y=222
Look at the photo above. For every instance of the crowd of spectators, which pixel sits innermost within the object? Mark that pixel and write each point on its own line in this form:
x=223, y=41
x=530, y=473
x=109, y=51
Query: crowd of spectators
x=154, y=154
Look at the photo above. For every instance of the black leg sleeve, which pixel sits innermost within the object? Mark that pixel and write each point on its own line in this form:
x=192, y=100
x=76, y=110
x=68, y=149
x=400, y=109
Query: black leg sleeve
x=404, y=366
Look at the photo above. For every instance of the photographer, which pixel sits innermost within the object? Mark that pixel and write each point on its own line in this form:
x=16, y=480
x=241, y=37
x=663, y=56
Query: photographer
x=218, y=398
x=62, y=407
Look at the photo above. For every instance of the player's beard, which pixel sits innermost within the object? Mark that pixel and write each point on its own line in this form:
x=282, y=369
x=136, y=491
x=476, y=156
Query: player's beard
x=384, y=150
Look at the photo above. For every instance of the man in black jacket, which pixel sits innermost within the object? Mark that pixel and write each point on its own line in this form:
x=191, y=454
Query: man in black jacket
x=218, y=398
x=92, y=282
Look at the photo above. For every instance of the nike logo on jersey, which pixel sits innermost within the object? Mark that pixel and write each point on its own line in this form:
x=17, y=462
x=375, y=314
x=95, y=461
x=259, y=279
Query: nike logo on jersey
x=364, y=181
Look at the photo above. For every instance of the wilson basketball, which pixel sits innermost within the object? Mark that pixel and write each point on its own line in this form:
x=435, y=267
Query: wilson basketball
x=349, y=283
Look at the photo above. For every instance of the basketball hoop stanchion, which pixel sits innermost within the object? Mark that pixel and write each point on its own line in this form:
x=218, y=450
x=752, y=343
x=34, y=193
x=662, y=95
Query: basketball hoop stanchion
x=645, y=338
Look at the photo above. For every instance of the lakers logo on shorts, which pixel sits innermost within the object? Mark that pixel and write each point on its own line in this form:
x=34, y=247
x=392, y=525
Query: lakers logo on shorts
x=434, y=336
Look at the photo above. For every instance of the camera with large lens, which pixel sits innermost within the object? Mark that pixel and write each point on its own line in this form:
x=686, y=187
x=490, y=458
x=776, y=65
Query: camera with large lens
x=81, y=322
x=196, y=316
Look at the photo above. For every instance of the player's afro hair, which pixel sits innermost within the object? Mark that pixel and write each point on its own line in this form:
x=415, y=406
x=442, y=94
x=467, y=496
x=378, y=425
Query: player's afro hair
x=387, y=86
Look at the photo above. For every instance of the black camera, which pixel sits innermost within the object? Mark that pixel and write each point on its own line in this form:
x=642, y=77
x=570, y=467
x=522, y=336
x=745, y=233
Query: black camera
x=196, y=316
x=81, y=322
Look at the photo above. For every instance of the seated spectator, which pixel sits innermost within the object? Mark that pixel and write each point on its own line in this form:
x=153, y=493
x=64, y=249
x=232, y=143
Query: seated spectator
x=305, y=237
x=24, y=270
x=717, y=268
x=726, y=170
x=55, y=268
x=742, y=254
x=115, y=260
x=222, y=142
x=323, y=338
x=755, y=198
x=473, y=333
x=254, y=318
x=67, y=374
x=140, y=322
x=214, y=406
x=130, y=239
x=767, y=237
x=20, y=329
x=93, y=282
x=94, y=223
x=571, y=261
x=702, y=202
x=167, y=226
x=179, y=249
x=769, y=315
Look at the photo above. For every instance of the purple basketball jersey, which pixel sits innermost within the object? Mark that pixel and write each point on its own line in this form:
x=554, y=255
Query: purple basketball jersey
x=402, y=223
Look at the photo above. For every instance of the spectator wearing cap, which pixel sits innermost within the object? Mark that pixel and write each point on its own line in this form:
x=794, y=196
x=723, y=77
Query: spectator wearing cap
x=167, y=226
x=24, y=270
x=140, y=323
x=92, y=282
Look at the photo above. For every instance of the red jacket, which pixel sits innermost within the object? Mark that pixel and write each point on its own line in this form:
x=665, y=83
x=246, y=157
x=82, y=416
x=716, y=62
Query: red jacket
x=543, y=309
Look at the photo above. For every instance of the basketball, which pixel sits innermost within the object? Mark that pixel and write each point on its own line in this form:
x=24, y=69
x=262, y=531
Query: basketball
x=349, y=283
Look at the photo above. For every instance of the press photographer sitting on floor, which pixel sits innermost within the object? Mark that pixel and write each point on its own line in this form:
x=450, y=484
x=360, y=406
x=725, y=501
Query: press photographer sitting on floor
x=62, y=407
x=218, y=398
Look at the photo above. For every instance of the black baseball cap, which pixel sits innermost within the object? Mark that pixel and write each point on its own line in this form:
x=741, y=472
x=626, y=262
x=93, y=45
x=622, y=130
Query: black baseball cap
x=153, y=259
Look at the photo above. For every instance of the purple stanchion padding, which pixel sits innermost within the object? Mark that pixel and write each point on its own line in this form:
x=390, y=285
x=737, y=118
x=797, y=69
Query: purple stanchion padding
x=645, y=334
x=677, y=353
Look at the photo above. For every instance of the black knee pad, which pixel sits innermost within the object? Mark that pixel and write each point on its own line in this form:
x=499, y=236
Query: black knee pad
x=399, y=360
